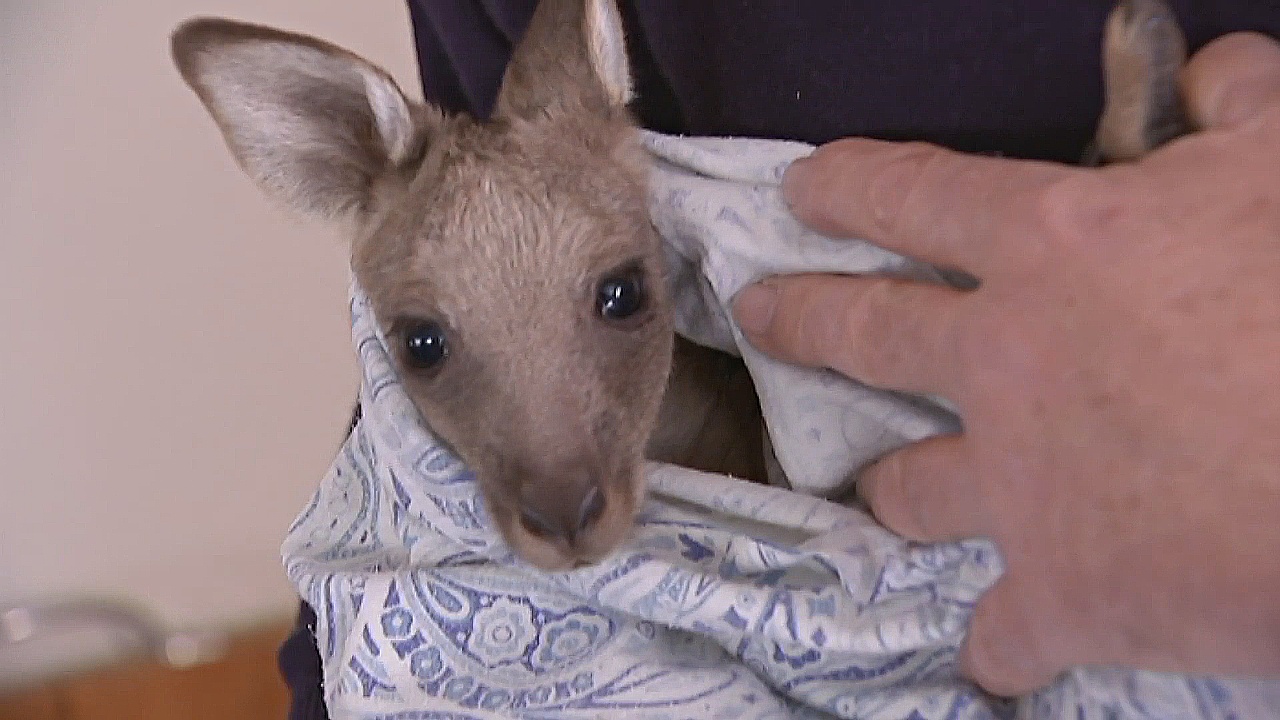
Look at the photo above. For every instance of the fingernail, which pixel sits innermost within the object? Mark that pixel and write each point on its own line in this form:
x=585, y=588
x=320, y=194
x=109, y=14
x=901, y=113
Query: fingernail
x=754, y=307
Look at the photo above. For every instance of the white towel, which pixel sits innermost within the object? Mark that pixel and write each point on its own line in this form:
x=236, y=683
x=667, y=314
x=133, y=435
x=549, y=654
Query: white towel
x=716, y=203
x=733, y=600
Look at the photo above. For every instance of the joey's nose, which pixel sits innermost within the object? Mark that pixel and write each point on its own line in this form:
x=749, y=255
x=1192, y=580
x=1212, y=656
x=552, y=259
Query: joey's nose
x=562, y=507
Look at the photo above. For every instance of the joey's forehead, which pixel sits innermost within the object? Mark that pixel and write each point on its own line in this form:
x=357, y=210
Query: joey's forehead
x=513, y=240
x=523, y=232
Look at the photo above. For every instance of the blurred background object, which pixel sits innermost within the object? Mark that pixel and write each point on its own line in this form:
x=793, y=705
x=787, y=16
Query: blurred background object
x=102, y=660
x=40, y=640
x=175, y=364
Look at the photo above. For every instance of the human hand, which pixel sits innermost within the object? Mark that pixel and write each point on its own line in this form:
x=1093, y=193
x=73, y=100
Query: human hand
x=1117, y=371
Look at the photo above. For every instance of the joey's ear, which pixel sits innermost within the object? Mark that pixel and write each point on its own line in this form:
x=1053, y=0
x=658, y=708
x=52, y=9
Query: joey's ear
x=572, y=58
x=313, y=124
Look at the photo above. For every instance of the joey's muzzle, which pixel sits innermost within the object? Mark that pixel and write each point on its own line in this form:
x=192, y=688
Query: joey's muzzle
x=562, y=506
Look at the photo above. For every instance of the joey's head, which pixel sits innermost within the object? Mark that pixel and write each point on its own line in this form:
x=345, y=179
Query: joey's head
x=510, y=262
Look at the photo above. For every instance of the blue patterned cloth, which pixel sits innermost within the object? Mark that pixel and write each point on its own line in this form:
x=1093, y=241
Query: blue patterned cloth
x=732, y=601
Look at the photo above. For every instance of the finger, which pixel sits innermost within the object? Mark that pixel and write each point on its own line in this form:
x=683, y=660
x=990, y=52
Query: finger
x=1000, y=652
x=1233, y=79
x=889, y=333
x=920, y=200
x=925, y=491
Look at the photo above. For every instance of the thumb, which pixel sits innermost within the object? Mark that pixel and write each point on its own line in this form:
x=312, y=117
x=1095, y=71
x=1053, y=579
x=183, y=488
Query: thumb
x=1000, y=652
x=1233, y=79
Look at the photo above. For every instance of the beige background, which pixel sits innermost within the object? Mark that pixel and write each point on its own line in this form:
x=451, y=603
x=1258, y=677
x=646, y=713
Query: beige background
x=175, y=367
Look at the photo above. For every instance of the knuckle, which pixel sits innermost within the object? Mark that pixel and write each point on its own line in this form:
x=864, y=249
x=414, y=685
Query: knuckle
x=868, y=343
x=1079, y=209
x=837, y=152
x=831, y=174
x=805, y=319
x=890, y=191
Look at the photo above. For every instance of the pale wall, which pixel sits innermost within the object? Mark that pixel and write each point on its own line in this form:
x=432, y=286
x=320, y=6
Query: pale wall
x=175, y=367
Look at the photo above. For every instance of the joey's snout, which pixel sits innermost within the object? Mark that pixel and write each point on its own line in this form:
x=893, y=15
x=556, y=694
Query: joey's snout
x=569, y=514
x=563, y=506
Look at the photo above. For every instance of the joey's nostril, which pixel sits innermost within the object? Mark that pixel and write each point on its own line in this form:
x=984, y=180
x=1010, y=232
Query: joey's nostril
x=591, y=509
x=536, y=524
x=562, y=509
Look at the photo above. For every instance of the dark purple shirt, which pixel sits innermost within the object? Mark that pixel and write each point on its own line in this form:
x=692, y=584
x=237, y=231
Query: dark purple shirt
x=1018, y=77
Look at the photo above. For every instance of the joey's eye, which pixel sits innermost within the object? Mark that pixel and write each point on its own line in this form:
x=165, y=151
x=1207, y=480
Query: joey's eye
x=425, y=345
x=621, y=295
